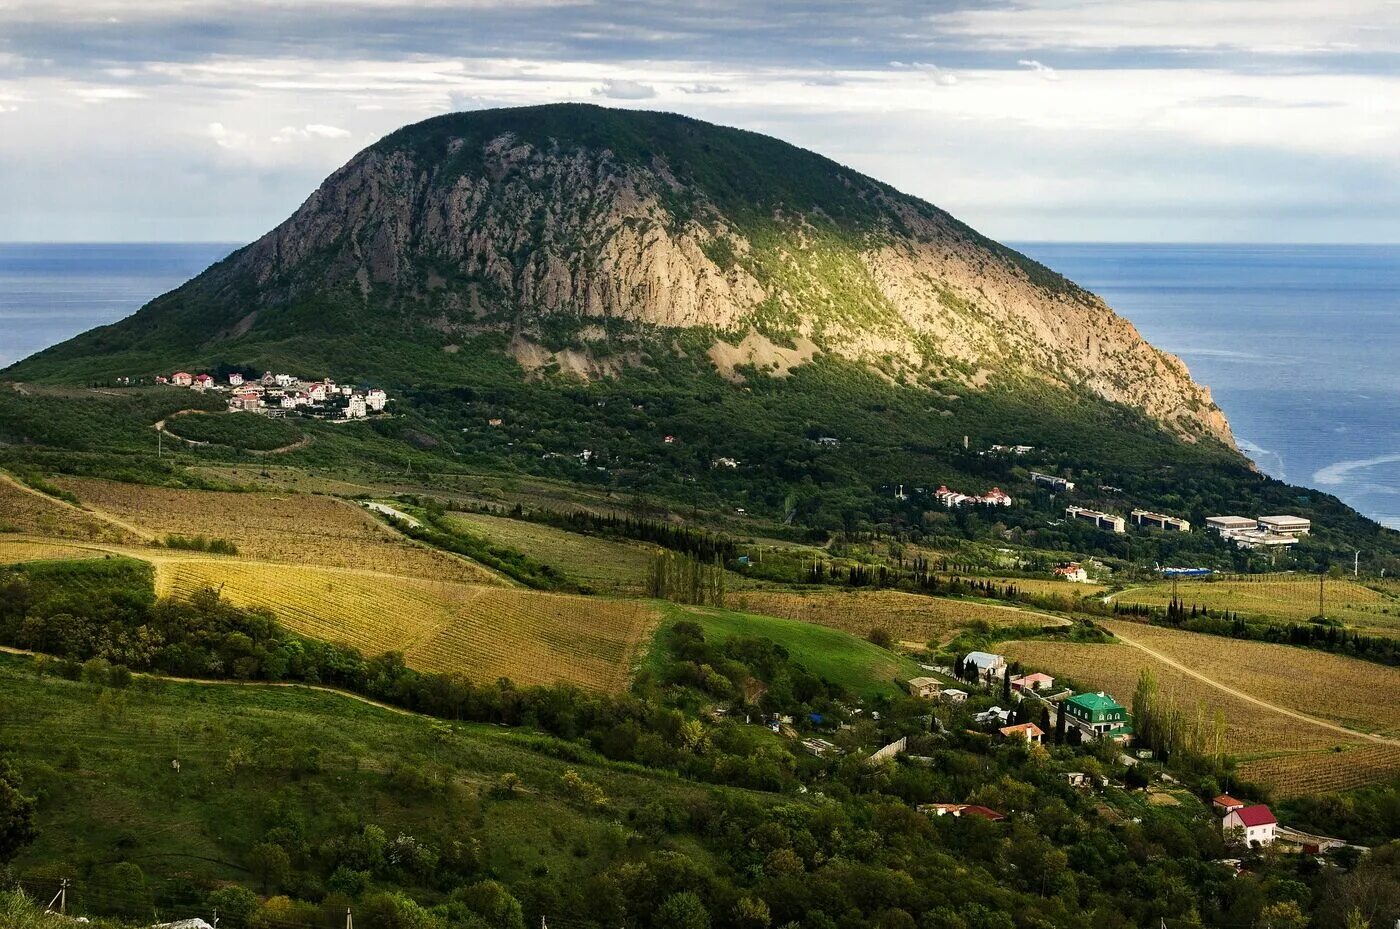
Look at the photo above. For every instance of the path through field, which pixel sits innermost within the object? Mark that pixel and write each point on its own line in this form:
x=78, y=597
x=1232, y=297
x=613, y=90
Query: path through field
x=1303, y=717
x=88, y=509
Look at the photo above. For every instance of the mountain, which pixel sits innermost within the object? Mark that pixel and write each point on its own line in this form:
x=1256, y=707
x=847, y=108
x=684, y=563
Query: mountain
x=586, y=241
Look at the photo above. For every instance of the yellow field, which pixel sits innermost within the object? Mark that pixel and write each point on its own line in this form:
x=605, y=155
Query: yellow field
x=1292, y=598
x=1353, y=693
x=907, y=617
x=15, y=551
x=24, y=510
x=1287, y=753
x=482, y=632
x=605, y=564
x=291, y=528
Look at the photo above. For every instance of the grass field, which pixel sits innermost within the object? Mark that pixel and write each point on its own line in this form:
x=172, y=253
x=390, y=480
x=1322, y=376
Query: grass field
x=1292, y=599
x=482, y=632
x=907, y=617
x=291, y=528
x=602, y=563
x=27, y=511
x=254, y=757
x=839, y=657
x=1289, y=755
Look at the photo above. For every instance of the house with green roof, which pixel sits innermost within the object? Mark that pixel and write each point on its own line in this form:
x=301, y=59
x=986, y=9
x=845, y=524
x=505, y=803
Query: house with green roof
x=1098, y=715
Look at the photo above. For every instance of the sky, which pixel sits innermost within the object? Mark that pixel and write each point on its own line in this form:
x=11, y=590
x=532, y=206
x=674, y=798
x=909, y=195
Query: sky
x=1074, y=120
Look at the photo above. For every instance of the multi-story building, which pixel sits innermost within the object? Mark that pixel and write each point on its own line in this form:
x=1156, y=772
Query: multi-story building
x=1159, y=521
x=1098, y=716
x=1051, y=481
x=1106, y=521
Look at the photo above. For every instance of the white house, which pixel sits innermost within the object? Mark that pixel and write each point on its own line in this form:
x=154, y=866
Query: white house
x=181, y=379
x=953, y=695
x=317, y=392
x=235, y=379
x=202, y=382
x=989, y=666
x=375, y=399
x=284, y=380
x=355, y=409
x=1256, y=824
x=996, y=716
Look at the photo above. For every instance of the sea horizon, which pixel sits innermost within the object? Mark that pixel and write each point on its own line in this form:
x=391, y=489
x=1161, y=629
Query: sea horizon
x=1242, y=316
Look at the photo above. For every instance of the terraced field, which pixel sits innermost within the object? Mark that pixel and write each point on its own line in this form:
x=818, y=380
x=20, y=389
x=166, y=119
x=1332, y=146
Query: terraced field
x=907, y=617
x=602, y=563
x=480, y=631
x=23, y=509
x=1289, y=599
x=1290, y=754
x=291, y=528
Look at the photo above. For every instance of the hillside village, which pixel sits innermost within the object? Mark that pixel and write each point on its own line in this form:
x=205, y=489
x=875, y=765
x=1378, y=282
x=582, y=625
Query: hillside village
x=1040, y=714
x=277, y=395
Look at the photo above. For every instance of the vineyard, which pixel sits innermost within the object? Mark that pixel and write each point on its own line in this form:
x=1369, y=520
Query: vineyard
x=601, y=563
x=482, y=632
x=1354, y=766
x=15, y=551
x=24, y=510
x=1291, y=599
x=292, y=528
x=906, y=617
x=1284, y=752
x=1355, y=694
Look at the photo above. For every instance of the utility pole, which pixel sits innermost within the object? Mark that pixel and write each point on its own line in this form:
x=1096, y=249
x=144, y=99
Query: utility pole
x=349, y=920
x=215, y=923
x=1356, y=565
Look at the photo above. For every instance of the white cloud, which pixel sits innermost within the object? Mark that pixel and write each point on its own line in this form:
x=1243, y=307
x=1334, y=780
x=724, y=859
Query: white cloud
x=1043, y=70
x=309, y=131
x=702, y=89
x=105, y=94
x=619, y=89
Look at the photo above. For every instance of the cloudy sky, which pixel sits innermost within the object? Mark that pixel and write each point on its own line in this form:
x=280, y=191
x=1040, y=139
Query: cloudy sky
x=1140, y=120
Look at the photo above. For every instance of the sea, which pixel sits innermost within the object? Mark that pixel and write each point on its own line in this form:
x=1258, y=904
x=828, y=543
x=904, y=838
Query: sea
x=1300, y=344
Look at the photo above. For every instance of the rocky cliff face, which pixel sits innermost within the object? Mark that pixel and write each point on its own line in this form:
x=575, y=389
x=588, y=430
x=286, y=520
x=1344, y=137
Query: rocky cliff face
x=585, y=233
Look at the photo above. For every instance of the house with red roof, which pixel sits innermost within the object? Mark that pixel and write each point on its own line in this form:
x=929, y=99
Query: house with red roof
x=961, y=809
x=202, y=382
x=1028, y=731
x=181, y=379
x=1036, y=681
x=1227, y=804
x=1254, y=825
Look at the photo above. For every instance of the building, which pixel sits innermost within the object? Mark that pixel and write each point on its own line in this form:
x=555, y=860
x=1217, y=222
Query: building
x=1285, y=525
x=1033, y=682
x=1227, y=525
x=245, y=400
x=951, y=498
x=181, y=379
x=725, y=463
x=235, y=379
x=284, y=380
x=1105, y=521
x=961, y=809
x=1028, y=731
x=376, y=399
x=202, y=382
x=1051, y=481
x=996, y=716
x=1073, y=571
x=1013, y=449
x=953, y=695
x=355, y=409
x=1161, y=521
x=927, y=687
x=1227, y=804
x=1098, y=715
x=1255, y=825
x=989, y=666
x=317, y=392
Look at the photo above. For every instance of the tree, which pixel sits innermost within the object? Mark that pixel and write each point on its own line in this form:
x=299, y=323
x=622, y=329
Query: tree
x=1060, y=725
x=493, y=903
x=234, y=903
x=269, y=864
x=683, y=911
x=16, y=814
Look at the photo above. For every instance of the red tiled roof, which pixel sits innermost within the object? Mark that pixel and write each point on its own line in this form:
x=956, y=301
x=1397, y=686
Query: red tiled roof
x=1227, y=800
x=1256, y=816
x=983, y=812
